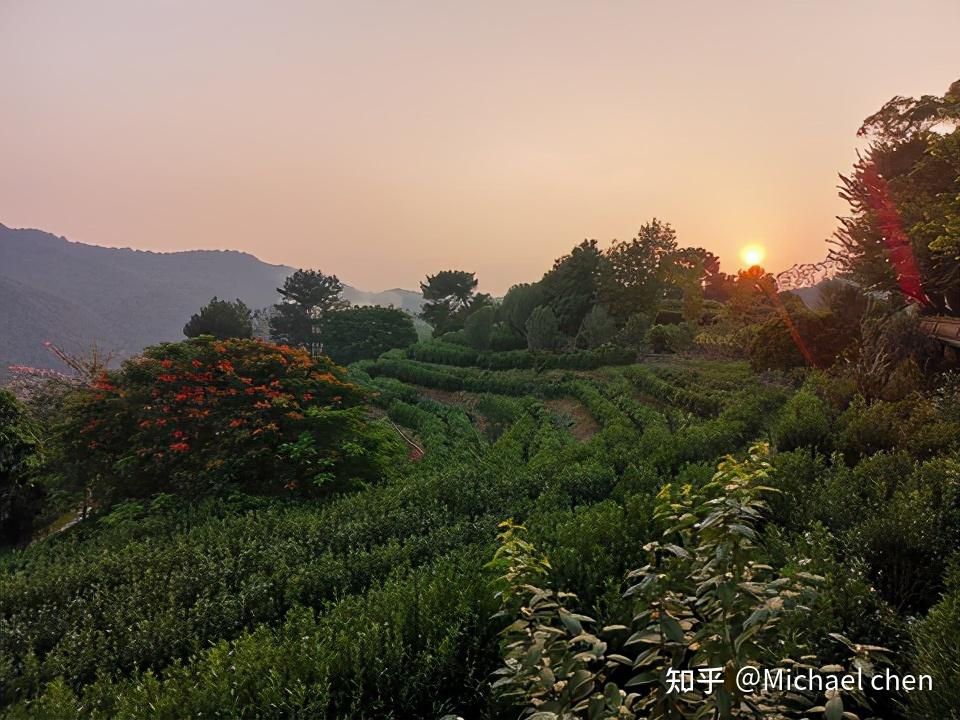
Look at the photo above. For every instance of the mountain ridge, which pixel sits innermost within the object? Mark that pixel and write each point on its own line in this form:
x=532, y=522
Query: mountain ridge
x=123, y=299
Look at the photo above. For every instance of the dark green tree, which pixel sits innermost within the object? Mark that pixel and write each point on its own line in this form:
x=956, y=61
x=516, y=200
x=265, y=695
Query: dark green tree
x=903, y=231
x=597, y=328
x=19, y=457
x=361, y=333
x=543, y=329
x=636, y=272
x=308, y=299
x=222, y=319
x=518, y=303
x=478, y=327
x=571, y=287
x=449, y=296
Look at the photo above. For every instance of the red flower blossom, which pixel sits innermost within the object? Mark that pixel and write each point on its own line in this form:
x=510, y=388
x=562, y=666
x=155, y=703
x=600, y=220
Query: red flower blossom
x=179, y=447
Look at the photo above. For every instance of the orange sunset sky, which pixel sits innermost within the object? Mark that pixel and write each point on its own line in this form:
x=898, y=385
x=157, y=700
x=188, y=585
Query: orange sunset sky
x=381, y=141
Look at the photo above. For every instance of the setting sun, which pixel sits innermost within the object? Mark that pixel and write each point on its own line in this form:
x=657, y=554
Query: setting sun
x=753, y=255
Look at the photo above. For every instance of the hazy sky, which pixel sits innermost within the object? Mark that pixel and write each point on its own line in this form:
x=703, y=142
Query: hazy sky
x=382, y=141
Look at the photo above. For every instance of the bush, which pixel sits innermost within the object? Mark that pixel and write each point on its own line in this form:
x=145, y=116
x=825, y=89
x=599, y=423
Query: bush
x=804, y=422
x=824, y=335
x=669, y=338
x=935, y=642
x=597, y=328
x=202, y=414
x=634, y=332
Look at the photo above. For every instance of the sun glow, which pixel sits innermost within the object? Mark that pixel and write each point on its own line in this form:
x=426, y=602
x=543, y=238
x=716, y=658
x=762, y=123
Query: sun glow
x=753, y=255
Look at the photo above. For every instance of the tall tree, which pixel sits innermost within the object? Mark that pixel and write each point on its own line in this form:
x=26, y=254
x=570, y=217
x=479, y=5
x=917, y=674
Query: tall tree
x=903, y=231
x=543, y=329
x=222, y=319
x=449, y=295
x=478, y=327
x=635, y=272
x=361, y=333
x=518, y=303
x=308, y=298
x=571, y=287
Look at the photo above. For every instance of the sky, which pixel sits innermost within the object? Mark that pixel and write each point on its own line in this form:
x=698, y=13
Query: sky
x=384, y=141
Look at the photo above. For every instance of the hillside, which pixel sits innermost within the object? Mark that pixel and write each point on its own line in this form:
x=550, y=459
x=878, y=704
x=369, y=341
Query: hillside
x=74, y=294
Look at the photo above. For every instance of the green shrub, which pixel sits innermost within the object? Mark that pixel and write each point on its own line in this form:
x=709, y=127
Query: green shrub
x=202, y=414
x=669, y=338
x=804, y=422
x=598, y=327
x=935, y=642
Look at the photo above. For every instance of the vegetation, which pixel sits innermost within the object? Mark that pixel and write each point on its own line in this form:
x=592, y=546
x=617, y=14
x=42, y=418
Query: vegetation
x=222, y=319
x=365, y=333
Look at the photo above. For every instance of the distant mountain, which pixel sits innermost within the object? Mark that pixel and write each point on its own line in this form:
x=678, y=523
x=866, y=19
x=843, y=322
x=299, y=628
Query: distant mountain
x=73, y=294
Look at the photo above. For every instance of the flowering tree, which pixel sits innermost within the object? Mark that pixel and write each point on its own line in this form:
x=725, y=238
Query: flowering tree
x=204, y=414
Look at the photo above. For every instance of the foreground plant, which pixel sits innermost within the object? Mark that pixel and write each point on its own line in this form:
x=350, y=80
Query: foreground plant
x=706, y=607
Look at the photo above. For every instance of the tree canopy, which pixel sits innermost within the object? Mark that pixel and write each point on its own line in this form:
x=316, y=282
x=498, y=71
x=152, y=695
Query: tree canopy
x=308, y=298
x=449, y=296
x=360, y=333
x=902, y=234
x=222, y=319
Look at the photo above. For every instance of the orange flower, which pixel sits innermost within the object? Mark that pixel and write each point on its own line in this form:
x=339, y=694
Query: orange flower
x=179, y=447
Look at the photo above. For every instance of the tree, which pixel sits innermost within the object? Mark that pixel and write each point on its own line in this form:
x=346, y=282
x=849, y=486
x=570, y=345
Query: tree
x=308, y=298
x=361, y=333
x=19, y=457
x=903, y=231
x=571, y=287
x=597, y=328
x=222, y=319
x=448, y=294
x=636, y=271
x=204, y=415
x=519, y=302
x=478, y=327
x=543, y=329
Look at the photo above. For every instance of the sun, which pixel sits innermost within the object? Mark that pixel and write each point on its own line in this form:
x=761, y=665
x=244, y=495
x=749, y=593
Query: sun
x=753, y=255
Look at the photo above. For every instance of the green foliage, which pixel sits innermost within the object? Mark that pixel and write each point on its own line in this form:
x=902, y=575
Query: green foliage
x=804, y=422
x=935, y=641
x=478, y=327
x=823, y=334
x=635, y=274
x=571, y=288
x=543, y=329
x=19, y=460
x=199, y=415
x=222, y=319
x=308, y=298
x=518, y=303
x=634, y=332
x=449, y=296
x=360, y=333
x=669, y=338
x=597, y=328
x=904, y=198
x=706, y=598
